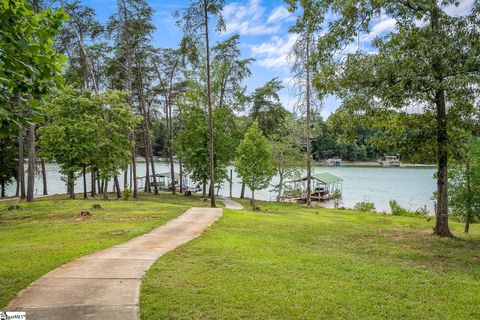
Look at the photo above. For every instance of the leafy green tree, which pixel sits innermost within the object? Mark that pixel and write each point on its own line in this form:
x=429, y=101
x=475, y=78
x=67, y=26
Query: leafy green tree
x=131, y=27
x=169, y=67
x=83, y=133
x=324, y=144
x=195, y=22
x=81, y=29
x=29, y=66
x=431, y=59
x=287, y=153
x=8, y=162
x=254, y=160
x=228, y=74
x=464, y=184
x=266, y=108
x=302, y=68
x=191, y=142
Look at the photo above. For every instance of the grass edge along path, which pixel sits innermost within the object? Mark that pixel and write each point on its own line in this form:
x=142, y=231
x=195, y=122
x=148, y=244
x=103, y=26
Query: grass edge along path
x=105, y=284
x=50, y=232
x=290, y=262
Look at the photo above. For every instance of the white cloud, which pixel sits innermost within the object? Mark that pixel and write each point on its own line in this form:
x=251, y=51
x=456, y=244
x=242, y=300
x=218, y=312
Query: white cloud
x=464, y=7
x=384, y=26
x=250, y=18
x=273, y=54
x=280, y=14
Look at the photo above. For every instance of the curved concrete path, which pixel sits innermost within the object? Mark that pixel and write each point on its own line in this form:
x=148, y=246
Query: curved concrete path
x=231, y=204
x=106, y=284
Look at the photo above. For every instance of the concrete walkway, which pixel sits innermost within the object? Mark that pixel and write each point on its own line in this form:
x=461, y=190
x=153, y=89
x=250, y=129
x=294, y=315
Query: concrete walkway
x=231, y=204
x=106, y=284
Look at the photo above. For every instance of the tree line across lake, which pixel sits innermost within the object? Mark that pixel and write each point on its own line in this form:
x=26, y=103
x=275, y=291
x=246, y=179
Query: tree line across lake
x=93, y=96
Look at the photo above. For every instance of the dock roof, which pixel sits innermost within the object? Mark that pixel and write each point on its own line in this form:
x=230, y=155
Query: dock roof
x=326, y=177
x=323, y=177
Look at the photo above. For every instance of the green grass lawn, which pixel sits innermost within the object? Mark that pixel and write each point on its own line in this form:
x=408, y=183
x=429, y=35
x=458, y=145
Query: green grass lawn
x=48, y=233
x=290, y=262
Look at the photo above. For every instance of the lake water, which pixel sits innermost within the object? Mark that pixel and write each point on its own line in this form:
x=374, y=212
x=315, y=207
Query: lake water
x=410, y=187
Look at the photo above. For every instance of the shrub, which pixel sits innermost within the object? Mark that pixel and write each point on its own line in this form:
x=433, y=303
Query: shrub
x=396, y=209
x=365, y=206
x=127, y=194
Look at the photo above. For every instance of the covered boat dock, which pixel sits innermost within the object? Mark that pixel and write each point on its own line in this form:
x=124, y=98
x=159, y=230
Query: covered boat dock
x=324, y=187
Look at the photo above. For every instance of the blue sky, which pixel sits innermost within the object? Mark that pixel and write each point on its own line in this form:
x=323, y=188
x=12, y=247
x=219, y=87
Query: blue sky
x=263, y=28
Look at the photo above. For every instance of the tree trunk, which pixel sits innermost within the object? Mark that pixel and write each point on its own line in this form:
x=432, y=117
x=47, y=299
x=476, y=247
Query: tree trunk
x=181, y=175
x=467, y=226
x=125, y=178
x=105, y=191
x=308, y=142
x=170, y=147
x=128, y=58
x=441, y=225
x=134, y=172
x=3, y=189
x=231, y=182
x=147, y=170
x=242, y=191
x=84, y=183
x=211, y=152
x=280, y=187
x=204, y=190
x=131, y=176
x=71, y=185
x=117, y=187
x=469, y=216
x=17, y=190
x=21, y=162
x=102, y=185
x=31, y=162
x=252, y=202
x=146, y=130
x=94, y=191
x=152, y=163
x=44, y=177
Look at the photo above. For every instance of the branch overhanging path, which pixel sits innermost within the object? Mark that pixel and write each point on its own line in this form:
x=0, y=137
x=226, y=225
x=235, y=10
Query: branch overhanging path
x=106, y=284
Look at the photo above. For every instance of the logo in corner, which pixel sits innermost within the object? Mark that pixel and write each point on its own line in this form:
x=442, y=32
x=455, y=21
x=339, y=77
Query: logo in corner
x=12, y=315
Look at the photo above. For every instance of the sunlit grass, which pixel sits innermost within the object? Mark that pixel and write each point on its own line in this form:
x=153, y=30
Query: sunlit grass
x=289, y=262
x=49, y=232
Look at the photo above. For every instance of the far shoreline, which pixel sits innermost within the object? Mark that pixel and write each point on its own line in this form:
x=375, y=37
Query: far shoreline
x=375, y=164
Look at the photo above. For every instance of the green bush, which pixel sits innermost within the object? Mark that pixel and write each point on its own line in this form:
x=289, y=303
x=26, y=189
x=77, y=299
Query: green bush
x=365, y=206
x=127, y=194
x=398, y=210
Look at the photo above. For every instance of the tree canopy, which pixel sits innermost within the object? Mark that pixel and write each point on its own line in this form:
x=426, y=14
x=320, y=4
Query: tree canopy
x=29, y=65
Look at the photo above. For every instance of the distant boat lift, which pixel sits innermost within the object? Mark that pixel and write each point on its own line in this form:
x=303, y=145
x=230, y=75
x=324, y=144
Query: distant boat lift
x=334, y=162
x=325, y=187
x=390, y=162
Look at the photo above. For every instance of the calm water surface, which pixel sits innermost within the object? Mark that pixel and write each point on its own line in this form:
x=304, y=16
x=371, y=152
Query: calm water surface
x=410, y=187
